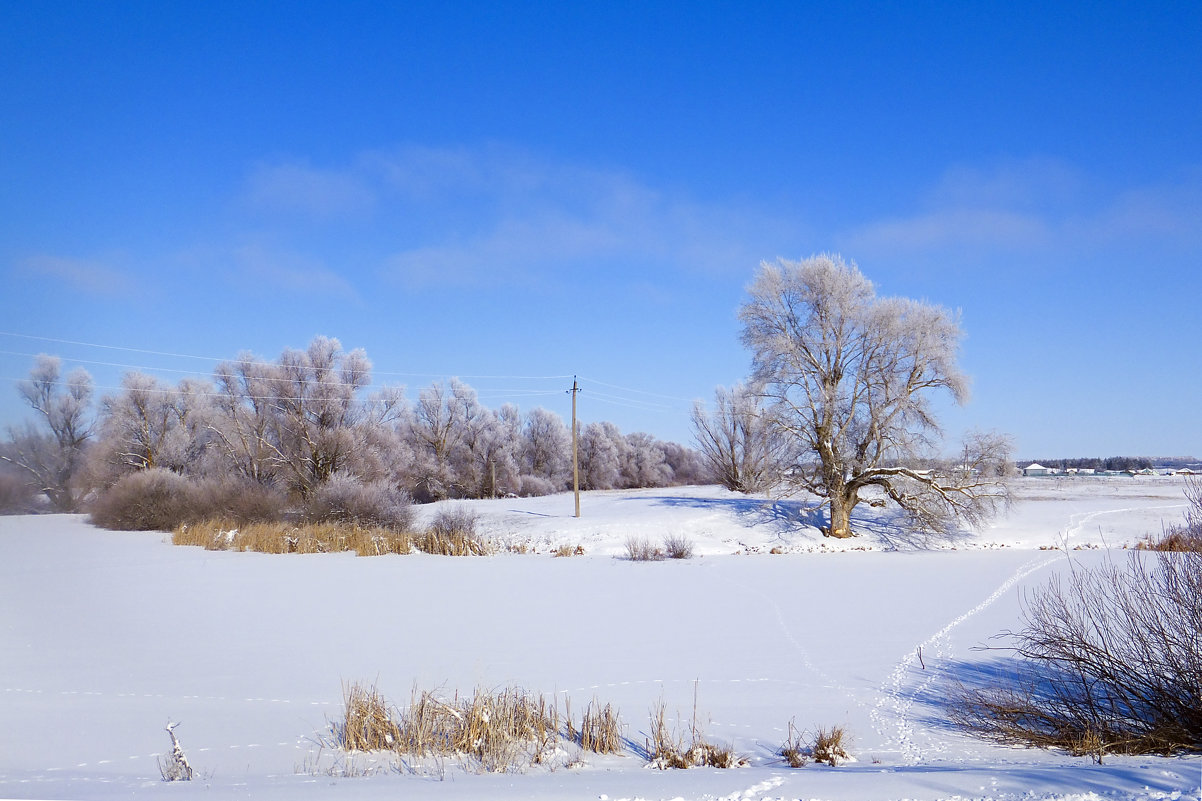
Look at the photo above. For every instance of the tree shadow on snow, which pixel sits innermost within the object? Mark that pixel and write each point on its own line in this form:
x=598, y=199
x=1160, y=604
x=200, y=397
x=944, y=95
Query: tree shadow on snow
x=783, y=516
x=891, y=528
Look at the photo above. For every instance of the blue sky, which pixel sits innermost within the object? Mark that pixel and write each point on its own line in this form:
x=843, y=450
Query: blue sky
x=515, y=193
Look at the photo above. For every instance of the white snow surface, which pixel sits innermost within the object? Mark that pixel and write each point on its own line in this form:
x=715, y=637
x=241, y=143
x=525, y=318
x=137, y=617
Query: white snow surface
x=106, y=636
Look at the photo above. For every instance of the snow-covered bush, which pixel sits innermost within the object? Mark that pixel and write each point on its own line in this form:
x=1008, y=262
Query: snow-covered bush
x=531, y=486
x=162, y=500
x=147, y=500
x=345, y=499
x=16, y=494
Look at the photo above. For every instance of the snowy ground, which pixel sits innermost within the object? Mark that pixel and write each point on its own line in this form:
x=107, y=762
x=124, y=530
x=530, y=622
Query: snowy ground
x=105, y=636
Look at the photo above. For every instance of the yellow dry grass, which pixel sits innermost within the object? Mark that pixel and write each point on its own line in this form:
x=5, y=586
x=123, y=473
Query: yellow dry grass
x=221, y=535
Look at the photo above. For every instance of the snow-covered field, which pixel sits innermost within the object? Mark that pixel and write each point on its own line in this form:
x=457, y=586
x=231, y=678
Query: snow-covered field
x=105, y=636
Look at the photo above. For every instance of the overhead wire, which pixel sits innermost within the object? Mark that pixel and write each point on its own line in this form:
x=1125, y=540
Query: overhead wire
x=486, y=392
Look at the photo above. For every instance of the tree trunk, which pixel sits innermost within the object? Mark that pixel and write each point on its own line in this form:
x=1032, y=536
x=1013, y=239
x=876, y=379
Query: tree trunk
x=841, y=507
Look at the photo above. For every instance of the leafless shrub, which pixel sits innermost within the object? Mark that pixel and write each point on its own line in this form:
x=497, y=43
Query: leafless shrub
x=16, y=495
x=1112, y=662
x=147, y=500
x=452, y=532
x=534, y=486
x=640, y=549
x=175, y=768
x=677, y=546
x=830, y=746
x=346, y=499
x=241, y=501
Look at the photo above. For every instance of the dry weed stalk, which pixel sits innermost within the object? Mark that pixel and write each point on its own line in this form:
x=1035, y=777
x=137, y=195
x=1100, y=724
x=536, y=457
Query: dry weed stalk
x=793, y=749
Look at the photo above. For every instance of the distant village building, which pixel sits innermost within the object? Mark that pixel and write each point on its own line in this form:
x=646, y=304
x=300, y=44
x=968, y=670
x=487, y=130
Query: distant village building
x=1036, y=469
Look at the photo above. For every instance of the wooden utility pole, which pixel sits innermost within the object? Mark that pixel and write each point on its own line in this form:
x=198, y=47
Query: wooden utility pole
x=575, y=452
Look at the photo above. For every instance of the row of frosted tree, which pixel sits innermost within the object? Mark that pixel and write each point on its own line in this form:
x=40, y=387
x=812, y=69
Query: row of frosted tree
x=295, y=423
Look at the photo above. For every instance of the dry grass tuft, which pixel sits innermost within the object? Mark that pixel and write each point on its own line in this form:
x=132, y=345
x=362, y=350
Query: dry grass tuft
x=1177, y=539
x=496, y=731
x=328, y=537
x=452, y=532
x=830, y=746
x=367, y=725
x=600, y=729
x=667, y=749
x=569, y=550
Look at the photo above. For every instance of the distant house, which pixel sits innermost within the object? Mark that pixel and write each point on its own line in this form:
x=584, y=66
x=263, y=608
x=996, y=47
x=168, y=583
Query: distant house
x=1185, y=471
x=1036, y=469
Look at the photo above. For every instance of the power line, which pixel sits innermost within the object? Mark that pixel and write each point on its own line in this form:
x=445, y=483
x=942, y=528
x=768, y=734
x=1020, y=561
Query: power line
x=493, y=393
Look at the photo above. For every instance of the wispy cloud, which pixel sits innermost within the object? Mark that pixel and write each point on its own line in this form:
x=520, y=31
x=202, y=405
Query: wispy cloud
x=88, y=276
x=1034, y=207
x=283, y=271
x=319, y=194
x=490, y=215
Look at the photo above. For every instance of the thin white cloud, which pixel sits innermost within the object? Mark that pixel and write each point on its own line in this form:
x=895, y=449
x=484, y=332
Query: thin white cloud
x=1034, y=207
x=320, y=194
x=520, y=217
x=88, y=276
x=272, y=269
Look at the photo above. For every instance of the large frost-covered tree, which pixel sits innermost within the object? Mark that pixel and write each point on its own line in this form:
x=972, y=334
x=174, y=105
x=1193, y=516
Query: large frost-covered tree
x=850, y=377
x=52, y=457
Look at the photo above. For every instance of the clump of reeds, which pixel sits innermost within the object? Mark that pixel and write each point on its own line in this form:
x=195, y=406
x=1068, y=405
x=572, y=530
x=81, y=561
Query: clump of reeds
x=269, y=537
x=452, y=532
x=669, y=749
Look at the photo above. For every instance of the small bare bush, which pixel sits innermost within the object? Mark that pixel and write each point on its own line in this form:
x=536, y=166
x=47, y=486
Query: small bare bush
x=1111, y=663
x=568, y=550
x=677, y=546
x=641, y=549
x=830, y=746
x=452, y=532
